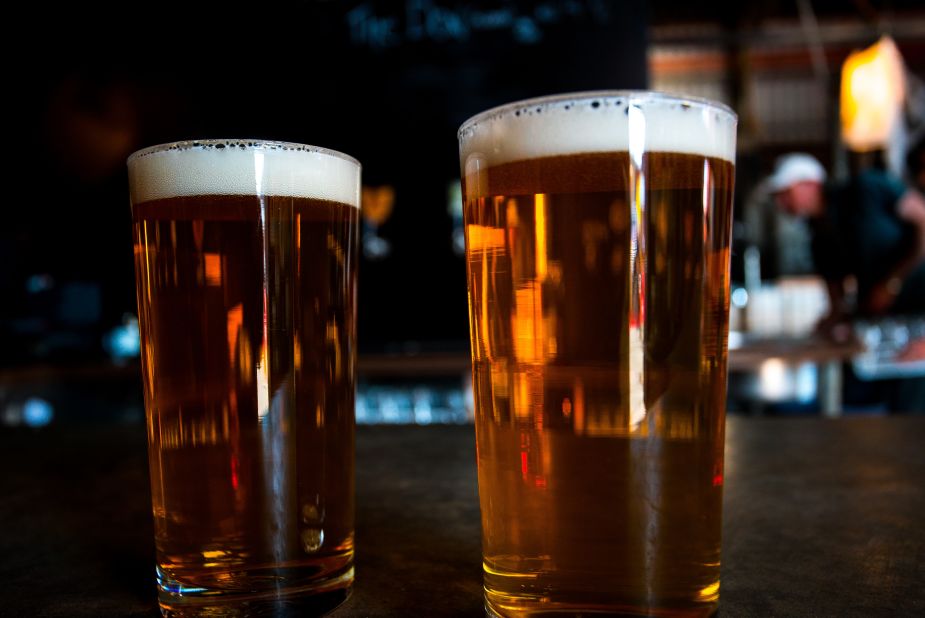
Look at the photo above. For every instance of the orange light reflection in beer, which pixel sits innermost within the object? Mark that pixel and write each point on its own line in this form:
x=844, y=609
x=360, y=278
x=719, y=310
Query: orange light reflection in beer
x=486, y=243
x=709, y=593
x=524, y=455
x=147, y=245
x=234, y=326
x=578, y=406
x=539, y=201
x=521, y=397
x=234, y=321
x=528, y=322
x=484, y=323
x=234, y=472
x=298, y=242
x=333, y=341
x=213, y=268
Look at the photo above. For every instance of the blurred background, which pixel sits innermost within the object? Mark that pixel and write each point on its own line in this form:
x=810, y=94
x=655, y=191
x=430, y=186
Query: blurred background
x=389, y=83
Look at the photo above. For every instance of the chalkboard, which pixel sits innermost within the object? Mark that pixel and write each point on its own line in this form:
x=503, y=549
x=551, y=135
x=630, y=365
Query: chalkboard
x=421, y=68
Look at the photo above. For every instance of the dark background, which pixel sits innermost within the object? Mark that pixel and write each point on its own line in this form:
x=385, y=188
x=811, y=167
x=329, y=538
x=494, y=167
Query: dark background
x=387, y=82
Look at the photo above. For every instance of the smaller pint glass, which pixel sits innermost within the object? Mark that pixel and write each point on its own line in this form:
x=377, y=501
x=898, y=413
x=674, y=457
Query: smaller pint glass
x=597, y=245
x=245, y=256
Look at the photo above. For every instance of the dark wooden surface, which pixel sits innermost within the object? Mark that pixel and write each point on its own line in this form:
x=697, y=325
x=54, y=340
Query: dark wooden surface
x=822, y=518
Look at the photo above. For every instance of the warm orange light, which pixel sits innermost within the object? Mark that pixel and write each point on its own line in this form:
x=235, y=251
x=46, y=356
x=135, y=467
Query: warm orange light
x=872, y=92
x=234, y=322
x=483, y=238
x=539, y=201
x=376, y=203
x=213, y=264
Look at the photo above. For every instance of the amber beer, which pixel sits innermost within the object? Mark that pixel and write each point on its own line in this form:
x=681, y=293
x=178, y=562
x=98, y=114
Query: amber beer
x=245, y=256
x=597, y=241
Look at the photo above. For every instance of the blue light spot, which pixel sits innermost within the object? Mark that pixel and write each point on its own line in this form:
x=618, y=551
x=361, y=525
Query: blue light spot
x=37, y=412
x=526, y=31
x=39, y=283
x=123, y=342
x=739, y=297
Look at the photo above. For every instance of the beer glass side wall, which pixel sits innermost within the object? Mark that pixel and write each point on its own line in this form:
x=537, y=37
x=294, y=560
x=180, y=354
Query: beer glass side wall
x=245, y=258
x=597, y=231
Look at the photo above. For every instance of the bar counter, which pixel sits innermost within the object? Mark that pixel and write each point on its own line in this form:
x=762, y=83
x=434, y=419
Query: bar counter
x=822, y=518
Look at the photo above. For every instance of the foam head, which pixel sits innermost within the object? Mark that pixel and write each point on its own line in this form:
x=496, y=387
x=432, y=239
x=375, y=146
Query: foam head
x=598, y=122
x=243, y=167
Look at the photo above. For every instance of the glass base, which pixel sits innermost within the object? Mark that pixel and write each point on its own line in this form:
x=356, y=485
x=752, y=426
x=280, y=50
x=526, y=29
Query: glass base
x=505, y=606
x=314, y=599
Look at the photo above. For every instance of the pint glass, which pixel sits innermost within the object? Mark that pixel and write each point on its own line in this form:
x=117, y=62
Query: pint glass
x=245, y=256
x=597, y=244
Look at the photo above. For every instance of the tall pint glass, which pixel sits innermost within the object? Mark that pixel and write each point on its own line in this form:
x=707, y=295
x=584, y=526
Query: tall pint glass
x=597, y=244
x=246, y=256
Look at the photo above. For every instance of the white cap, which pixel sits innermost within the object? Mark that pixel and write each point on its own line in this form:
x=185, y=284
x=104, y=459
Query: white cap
x=793, y=168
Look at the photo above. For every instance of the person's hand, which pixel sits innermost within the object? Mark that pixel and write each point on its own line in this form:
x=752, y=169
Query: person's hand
x=911, y=207
x=914, y=351
x=834, y=326
x=881, y=298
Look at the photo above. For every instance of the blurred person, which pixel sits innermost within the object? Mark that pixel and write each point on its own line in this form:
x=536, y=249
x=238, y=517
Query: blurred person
x=783, y=239
x=872, y=228
x=798, y=192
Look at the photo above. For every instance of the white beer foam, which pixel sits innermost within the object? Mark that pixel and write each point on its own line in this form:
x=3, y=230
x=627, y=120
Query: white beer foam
x=598, y=122
x=243, y=167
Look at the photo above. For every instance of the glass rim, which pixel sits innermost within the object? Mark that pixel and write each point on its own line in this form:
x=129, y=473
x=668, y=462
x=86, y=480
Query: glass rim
x=238, y=144
x=584, y=96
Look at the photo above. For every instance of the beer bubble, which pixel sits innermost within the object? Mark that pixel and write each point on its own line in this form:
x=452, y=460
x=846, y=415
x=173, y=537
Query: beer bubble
x=312, y=539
